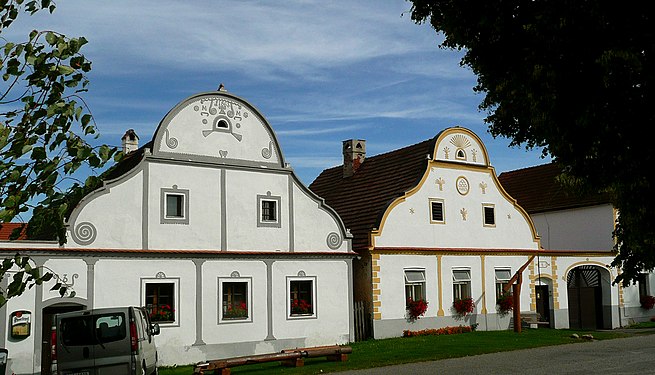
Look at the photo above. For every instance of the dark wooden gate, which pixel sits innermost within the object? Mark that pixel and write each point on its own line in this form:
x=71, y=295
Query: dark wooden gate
x=585, y=298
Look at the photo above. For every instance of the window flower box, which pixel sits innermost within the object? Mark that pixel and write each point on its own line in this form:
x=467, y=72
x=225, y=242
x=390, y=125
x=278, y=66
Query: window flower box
x=463, y=306
x=416, y=309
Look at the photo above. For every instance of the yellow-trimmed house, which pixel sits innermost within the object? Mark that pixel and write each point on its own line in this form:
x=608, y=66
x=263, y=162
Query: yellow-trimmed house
x=432, y=222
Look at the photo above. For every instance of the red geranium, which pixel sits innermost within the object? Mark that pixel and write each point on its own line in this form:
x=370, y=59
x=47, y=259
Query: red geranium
x=647, y=302
x=505, y=304
x=463, y=306
x=416, y=309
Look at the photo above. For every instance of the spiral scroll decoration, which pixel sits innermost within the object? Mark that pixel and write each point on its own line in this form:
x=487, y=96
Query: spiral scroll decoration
x=84, y=233
x=171, y=142
x=333, y=240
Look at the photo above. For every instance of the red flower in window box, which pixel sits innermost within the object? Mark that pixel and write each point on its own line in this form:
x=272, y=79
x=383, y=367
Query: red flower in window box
x=463, y=306
x=647, y=302
x=416, y=309
x=300, y=307
x=505, y=304
x=162, y=313
x=236, y=311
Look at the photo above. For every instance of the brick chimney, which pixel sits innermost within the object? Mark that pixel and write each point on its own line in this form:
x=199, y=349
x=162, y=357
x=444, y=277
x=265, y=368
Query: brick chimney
x=354, y=152
x=130, y=141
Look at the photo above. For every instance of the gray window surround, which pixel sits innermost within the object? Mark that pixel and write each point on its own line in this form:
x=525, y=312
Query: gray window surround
x=314, y=314
x=164, y=217
x=277, y=200
x=176, y=289
x=230, y=279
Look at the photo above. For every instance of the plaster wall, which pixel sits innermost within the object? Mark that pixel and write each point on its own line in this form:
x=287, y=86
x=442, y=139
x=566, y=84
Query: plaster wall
x=588, y=228
x=463, y=225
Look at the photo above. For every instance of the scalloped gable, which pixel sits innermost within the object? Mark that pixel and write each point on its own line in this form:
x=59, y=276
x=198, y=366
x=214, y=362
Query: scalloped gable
x=217, y=127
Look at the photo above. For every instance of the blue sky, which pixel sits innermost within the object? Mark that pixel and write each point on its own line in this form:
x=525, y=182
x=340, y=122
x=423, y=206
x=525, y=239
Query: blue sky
x=320, y=71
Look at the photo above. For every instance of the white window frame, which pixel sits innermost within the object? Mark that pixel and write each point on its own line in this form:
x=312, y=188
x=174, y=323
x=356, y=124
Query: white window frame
x=411, y=283
x=174, y=219
x=249, y=301
x=502, y=280
x=458, y=282
x=486, y=206
x=314, y=313
x=443, y=211
x=176, y=297
x=261, y=222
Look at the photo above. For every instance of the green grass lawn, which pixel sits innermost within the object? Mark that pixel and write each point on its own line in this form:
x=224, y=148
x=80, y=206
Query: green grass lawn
x=377, y=353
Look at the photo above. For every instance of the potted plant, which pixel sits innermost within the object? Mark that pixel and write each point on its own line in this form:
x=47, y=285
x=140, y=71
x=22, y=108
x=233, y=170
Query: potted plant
x=415, y=309
x=647, y=302
x=505, y=304
x=463, y=306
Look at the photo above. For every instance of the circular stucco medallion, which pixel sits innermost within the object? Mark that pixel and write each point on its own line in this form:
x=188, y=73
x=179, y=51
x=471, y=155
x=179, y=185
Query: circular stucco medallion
x=462, y=185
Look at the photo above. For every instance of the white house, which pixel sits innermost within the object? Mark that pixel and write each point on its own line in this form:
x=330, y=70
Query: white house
x=577, y=232
x=432, y=221
x=208, y=227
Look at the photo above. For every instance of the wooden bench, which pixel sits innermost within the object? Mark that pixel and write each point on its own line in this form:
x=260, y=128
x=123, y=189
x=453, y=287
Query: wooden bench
x=532, y=320
x=288, y=357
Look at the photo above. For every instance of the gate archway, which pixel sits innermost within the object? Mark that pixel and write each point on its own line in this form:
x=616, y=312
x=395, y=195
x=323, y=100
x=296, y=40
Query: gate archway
x=587, y=287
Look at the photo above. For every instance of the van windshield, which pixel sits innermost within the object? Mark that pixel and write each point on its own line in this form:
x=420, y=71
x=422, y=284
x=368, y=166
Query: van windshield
x=93, y=329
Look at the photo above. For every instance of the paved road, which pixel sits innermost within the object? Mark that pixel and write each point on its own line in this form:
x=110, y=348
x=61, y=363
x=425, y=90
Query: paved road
x=632, y=355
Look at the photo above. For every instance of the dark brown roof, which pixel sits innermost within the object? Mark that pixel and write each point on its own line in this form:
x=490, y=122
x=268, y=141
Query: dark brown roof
x=361, y=200
x=537, y=190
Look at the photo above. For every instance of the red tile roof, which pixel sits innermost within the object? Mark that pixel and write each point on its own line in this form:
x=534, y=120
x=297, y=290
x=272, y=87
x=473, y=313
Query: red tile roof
x=361, y=200
x=6, y=229
x=537, y=190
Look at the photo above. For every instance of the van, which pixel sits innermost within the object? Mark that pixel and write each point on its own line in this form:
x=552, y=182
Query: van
x=116, y=340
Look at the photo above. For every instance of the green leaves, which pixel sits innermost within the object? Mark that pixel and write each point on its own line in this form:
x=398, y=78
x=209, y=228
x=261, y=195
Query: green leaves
x=24, y=274
x=43, y=125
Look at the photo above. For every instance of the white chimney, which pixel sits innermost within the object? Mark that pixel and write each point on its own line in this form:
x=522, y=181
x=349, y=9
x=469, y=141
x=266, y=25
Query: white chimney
x=130, y=141
x=354, y=152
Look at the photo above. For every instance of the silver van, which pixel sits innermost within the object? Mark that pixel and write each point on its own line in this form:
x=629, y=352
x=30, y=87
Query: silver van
x=116, y=340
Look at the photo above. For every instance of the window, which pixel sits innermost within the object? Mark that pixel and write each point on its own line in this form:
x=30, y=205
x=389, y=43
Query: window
x=160, y=299
x=234, y=299
x=85, y=330
x=302, y=297
x=643, y=285
x=268, y=210
x=436, y=211
x=414, y=284
x=461, y=284
x=174, y=206
x=489, y=215
x=502, y=278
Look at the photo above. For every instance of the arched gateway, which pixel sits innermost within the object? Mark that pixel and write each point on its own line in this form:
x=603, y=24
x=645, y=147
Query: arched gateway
x=588, y=294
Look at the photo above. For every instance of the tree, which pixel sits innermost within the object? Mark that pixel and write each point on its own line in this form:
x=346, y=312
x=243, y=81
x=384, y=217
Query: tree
x=573, y=77
x=44, y=123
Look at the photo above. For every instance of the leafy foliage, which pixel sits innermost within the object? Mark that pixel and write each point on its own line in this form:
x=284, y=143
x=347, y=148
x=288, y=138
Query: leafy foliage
x=43, y=125
x=573, y=77
x=24, y=275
